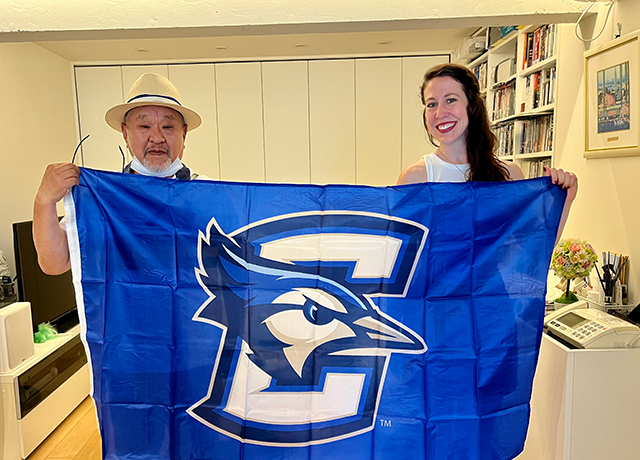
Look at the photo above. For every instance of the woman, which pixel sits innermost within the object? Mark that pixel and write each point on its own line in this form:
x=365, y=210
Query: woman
x=456, y=121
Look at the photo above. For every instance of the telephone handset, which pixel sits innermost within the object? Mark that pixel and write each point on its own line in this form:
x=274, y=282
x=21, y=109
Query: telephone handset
x=586, y=327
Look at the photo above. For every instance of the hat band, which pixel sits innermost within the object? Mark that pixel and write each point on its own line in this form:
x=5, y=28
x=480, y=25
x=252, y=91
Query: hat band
x=153, y=98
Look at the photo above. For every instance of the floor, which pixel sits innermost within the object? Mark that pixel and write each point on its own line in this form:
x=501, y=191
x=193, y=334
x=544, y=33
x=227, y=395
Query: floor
x=77, y=438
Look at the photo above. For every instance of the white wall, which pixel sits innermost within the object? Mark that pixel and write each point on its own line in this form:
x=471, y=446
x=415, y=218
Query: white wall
x=36, y=91
x=607, y=209
x=37, y=117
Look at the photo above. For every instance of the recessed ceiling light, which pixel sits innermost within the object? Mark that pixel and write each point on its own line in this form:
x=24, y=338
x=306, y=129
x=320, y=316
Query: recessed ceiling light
x=385, y=42
x=142, y=50
x=300, y=45
x=222, y=47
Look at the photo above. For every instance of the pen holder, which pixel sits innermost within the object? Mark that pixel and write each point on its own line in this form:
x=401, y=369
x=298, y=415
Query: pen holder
x=617, y=295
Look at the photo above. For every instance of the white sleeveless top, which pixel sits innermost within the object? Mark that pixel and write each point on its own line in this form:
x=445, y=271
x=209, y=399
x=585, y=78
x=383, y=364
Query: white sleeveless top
x=439, y=170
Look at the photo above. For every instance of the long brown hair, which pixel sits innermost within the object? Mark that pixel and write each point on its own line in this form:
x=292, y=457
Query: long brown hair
x=483, y=164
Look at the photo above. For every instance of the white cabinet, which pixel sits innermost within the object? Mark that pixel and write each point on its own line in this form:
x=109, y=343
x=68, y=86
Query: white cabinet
x=40, y=393
x=131, y=73
x=415, y=142
x=286, y=121
x=347, y=120
x=585, y=404
x=240, y=126
x=332, y=121
x=196, y=84
x=99, y=89
x=378, y=120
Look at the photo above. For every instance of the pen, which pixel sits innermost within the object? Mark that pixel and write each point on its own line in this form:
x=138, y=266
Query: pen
x=607, y=278
x=600, y=278
x=619, y=271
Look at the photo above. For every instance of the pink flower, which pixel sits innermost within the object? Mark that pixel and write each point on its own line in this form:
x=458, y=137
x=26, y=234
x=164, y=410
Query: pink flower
x=586, y=264
x=561, y=260
x=575, y=247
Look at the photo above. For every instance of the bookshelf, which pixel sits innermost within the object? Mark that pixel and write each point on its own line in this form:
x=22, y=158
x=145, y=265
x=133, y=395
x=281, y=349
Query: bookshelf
x=537, y=72
x=518, y=75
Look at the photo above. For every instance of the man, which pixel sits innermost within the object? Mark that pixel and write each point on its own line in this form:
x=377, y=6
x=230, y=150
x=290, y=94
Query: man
x=154, y=125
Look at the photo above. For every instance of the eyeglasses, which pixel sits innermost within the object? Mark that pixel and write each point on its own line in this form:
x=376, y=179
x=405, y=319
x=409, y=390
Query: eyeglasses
x=73, y=160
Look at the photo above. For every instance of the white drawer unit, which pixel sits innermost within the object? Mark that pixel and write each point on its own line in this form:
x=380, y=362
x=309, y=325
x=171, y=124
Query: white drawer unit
x=38, y=395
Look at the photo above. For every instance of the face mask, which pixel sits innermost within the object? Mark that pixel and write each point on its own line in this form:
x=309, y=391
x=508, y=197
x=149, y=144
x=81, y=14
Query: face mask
x=138, y=167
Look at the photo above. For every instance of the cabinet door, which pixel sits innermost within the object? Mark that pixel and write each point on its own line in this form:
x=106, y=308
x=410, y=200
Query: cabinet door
x=332, y=121
x=130, y=73
x=378, y=120
x=286, y=121
x=196, y=85
x=98, y=89
x=415, y=142
x=239, y=96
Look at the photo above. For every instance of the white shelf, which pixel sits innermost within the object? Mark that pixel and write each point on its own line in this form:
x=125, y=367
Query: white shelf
x=499, y=84
x=548, y=63
x=504, y=120
x=479, y=60
x=555, y=39
x=480, y=31
x=544, y=110
x=504, y=41
x=533, y=156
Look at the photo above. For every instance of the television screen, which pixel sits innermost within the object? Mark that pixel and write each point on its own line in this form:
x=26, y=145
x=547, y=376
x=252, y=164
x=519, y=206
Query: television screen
x=52, y=297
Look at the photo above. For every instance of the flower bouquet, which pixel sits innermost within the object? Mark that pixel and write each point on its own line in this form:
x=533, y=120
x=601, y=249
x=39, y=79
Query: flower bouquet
x=572, y=258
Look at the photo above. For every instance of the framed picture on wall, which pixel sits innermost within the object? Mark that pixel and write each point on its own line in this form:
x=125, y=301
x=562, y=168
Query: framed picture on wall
x=612, y=98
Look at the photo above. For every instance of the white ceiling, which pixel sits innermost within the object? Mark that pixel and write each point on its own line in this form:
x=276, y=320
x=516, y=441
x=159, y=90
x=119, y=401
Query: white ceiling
x=190, y=30
x=28, y=16
x=250, y=47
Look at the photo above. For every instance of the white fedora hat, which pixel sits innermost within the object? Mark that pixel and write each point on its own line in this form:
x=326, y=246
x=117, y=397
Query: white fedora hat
x=152, y=89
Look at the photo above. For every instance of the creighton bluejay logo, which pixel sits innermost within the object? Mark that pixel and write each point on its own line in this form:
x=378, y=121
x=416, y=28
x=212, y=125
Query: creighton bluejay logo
x=304, y=348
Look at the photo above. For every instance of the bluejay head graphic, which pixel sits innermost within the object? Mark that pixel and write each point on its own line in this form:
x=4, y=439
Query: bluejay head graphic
x=304, y=349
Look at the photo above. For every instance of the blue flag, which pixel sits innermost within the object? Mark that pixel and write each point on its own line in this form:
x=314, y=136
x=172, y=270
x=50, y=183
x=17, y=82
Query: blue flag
x=277, y=321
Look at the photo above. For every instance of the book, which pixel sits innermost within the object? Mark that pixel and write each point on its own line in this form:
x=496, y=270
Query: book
x=504, y=101
x=539, y=89
x=527, y=94
x=539, y=45
x=504, y=135
x=536, y=46
x=529, y=59
x=536, y=135
x=481, y=74
x=506, y=30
